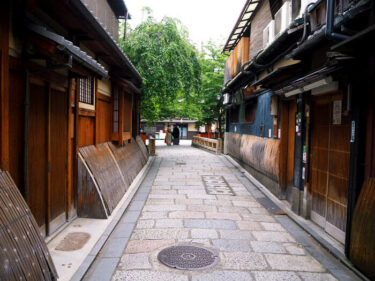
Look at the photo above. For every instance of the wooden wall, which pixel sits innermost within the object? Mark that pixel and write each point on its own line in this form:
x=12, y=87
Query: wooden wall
x=4, y=84
x=238, y=57
x=262, y=154
x=86, y=128
x=104, y=119
x=16, y=118
x=262, y=17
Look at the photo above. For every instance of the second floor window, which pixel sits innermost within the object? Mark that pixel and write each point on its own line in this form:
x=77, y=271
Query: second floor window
x=86, y=90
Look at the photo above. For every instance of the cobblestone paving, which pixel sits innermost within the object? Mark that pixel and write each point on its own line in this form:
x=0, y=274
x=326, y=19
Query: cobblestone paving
x=251, y=244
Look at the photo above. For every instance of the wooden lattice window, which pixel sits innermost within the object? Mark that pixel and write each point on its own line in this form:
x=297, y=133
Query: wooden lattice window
x=86, y=90
x=116, y=109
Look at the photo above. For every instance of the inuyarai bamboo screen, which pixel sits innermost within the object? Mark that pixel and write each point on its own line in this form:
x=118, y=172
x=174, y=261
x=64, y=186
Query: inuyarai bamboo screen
x=24, y=254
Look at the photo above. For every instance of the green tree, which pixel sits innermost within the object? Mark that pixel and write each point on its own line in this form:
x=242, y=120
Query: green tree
x=169, y=67
x=212, y=63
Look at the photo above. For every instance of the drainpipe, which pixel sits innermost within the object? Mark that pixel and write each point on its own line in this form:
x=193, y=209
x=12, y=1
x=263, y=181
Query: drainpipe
x=125, y=23
x=330, y=22
x=305, y=24
x=26, y=121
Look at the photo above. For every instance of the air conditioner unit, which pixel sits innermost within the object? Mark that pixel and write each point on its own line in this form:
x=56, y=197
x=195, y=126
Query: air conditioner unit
x=283, y=18
x=226, y=99
x=268, y=33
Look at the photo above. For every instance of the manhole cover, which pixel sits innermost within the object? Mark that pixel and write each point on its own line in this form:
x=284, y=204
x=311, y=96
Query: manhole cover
x=73, y=241
x=188, y=257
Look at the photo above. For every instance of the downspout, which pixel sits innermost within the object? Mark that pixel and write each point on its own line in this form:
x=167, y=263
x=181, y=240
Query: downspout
x=125, y=23
x=330, y=22
x=26, y=120
x=305, y=24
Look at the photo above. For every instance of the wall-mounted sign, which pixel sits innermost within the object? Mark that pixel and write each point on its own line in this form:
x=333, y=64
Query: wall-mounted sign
x=337, y=111
x=304, y=155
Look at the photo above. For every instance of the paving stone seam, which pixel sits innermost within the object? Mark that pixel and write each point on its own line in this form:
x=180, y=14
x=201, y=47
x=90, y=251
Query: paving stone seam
x=235, y=167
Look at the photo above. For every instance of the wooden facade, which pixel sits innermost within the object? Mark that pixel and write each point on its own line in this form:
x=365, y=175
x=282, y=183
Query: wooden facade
x=321, y=128
x=64, y=84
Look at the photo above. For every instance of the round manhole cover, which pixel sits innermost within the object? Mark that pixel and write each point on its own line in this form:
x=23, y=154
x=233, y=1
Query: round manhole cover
x=188, y=257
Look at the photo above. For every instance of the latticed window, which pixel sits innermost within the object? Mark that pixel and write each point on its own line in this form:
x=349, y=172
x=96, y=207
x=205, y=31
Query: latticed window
x=86, y=90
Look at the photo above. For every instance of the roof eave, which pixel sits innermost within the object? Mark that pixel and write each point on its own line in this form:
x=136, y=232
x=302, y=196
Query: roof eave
x=83, y=9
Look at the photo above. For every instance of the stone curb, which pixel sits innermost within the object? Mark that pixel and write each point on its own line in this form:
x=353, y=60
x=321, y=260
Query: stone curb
x=326, y=245
x=89, y=260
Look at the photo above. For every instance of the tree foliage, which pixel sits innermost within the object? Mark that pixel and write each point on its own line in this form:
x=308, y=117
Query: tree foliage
x=169, y=67
x=178, y=81
x=212, y=63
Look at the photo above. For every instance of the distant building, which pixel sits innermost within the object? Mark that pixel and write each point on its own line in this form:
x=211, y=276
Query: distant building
x=187, y=128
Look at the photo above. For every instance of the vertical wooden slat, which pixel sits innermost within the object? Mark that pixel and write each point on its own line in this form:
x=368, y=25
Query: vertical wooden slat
x=4, y=85
x=49, y=160
x=71, y=96
x=58, y=157
x=283, y=145
x=96, y=93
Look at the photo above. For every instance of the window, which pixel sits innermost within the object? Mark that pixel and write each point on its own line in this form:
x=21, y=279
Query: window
x=234, y=115
x=116, y=109
x=250, y=112
x=86, y=90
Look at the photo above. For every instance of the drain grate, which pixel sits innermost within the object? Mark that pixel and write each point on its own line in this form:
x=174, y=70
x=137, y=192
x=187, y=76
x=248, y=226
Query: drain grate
x=188, y=257
x=217, y=185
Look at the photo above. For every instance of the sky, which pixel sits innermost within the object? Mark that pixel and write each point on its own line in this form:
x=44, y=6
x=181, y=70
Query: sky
x=204, y=19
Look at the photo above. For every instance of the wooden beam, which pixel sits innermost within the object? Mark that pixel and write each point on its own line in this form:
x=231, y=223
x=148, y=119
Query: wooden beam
x=4, y=84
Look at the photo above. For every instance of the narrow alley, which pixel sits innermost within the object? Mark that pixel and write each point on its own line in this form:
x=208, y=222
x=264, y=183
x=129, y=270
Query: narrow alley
x=177, y=205
x=187, y=141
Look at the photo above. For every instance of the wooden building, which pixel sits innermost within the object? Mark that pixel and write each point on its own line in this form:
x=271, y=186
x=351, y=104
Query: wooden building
x=69, y=104
x=299, y=95
x=157, y=129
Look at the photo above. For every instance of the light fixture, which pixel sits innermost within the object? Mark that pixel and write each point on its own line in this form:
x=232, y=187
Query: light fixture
x=318, y=87
x=293, y=92
x=319, y=83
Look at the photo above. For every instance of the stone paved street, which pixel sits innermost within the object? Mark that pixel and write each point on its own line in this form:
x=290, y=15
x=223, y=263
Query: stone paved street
x=251, y=242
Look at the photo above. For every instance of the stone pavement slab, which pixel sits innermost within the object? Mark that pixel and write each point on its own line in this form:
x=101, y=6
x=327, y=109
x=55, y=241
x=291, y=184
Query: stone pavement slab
x=251, y=242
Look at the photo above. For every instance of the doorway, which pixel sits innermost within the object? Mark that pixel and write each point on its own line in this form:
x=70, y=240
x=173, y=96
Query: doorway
x=329, y=169
x=47, y=156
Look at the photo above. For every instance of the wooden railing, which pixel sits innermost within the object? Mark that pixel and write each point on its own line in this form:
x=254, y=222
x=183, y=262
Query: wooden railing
x=211, y=144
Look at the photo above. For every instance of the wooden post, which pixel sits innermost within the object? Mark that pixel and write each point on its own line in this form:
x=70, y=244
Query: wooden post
x=71, y=130
x=4, y=84
x=96, y=132
x=121, y=116
x=283, y=159
x=219, y=147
